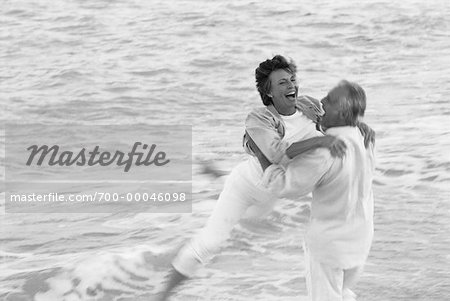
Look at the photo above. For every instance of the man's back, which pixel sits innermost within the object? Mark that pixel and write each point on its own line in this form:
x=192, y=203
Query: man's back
x=341, y=228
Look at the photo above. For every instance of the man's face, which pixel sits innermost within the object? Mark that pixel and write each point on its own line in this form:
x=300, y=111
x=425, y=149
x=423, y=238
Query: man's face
x=283, y=89
x=332, y=107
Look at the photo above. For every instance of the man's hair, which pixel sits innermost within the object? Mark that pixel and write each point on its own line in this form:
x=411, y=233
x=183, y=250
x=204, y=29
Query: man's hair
x=354, y=102
x=263, y=71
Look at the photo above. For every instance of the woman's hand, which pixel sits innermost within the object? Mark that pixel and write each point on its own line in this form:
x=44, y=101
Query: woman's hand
x=336, y=146
x=368, y=133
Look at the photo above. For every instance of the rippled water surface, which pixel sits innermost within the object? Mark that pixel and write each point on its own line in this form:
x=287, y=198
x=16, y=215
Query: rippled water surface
x=192, y=62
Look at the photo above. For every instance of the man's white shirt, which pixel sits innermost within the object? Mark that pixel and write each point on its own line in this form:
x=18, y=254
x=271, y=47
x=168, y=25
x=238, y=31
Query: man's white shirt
x=341, y=228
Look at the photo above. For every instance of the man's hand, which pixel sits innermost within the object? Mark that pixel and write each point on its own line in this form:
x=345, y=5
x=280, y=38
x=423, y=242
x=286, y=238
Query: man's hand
x=368, y=133
x=255, y=149
x=336, y=146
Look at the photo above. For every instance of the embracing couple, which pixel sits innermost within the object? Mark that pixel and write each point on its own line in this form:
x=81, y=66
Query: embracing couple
x=299, y=145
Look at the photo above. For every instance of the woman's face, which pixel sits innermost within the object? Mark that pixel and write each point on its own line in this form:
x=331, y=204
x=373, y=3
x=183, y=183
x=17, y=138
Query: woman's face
x=283, y=91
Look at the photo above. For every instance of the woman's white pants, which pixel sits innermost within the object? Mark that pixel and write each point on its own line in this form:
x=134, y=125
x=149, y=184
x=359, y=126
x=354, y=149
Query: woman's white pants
x=241, y=195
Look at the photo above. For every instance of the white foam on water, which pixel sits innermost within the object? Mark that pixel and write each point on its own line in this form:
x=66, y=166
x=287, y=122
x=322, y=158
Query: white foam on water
x=123, y=272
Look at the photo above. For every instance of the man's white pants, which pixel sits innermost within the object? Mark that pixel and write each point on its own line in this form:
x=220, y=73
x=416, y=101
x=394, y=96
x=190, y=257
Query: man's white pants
x=326, y=283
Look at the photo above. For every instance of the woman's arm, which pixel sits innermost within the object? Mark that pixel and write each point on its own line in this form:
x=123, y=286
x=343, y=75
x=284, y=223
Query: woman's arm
x=367, y=132
x=258, y=154
x=262, y=128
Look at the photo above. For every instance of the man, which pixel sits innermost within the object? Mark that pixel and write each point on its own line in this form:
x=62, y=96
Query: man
x=341, y=229
x=284, y=128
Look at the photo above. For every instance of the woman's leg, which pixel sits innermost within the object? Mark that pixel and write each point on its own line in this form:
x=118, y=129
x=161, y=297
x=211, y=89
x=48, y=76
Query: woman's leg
x=237, y=196
x=239, y=193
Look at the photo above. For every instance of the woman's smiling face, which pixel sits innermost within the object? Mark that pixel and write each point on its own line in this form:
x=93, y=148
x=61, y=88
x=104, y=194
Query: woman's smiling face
x=283, y=90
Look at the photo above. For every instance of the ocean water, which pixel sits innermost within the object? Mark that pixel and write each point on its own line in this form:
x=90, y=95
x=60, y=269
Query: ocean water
x=192, y=62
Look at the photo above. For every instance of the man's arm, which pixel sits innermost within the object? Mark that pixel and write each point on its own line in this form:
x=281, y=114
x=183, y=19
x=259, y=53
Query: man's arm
x=262, y=127
x=299, y=177
x=335, y=145
x=312, y=108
